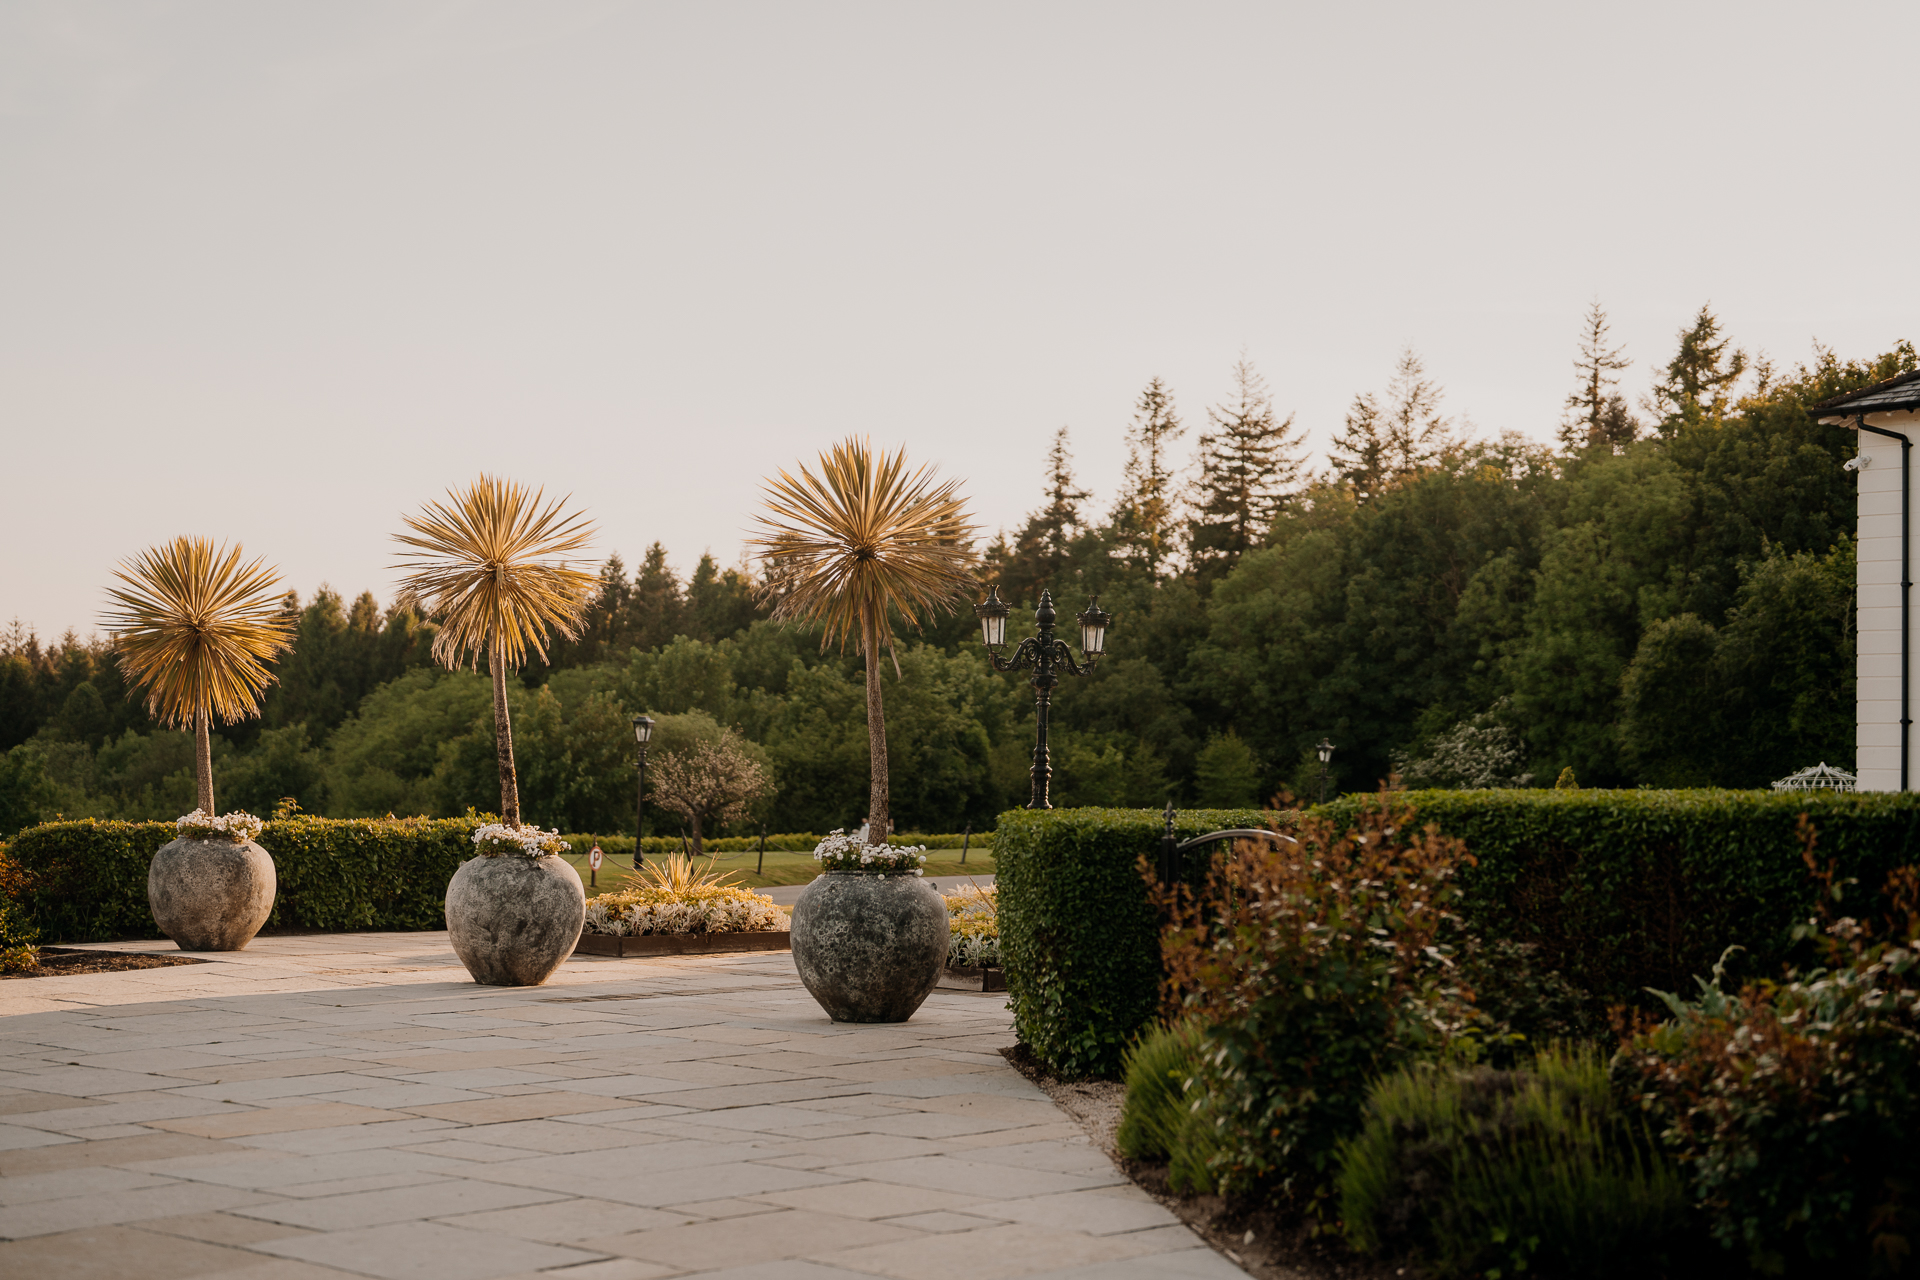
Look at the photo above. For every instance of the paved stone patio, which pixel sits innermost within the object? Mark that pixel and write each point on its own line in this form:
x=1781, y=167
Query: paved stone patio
x=353, y=1105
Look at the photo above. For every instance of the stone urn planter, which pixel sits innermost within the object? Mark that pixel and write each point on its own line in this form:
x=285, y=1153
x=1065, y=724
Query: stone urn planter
x=870, y=947
x=514, y=920
x=211, y=892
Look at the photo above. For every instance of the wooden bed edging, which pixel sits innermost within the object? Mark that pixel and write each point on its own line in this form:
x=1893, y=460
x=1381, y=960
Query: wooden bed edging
x=681, y=944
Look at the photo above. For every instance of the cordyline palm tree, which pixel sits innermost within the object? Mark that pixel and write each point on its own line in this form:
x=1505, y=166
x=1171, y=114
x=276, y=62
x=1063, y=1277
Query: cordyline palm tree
x=853, y=547
x=194, y=628
x=492, y=567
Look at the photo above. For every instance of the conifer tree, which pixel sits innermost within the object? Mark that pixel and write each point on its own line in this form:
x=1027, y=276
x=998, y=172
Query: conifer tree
x=656, y=608
x=1699, y=380
x=1040, y=553
x=1597, y=417
x=1359, y=452
x=1385, y=443
x=1144, y=523
x=1247, y=469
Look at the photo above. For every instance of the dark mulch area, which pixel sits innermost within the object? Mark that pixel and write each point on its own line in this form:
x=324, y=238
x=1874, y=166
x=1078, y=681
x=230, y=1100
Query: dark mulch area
x=59, y=962
x=1263, y=1242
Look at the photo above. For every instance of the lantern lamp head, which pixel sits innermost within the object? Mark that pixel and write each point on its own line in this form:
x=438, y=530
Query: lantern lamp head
x=642, y=729
x=992, y=613
x=1093, y=628
x=1325, y=749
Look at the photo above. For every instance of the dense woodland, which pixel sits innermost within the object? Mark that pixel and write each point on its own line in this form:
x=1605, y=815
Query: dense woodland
x=1665, y=598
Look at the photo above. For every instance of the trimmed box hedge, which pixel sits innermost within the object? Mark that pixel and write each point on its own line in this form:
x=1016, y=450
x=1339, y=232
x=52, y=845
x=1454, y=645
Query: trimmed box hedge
x=786, y=842
x=88, y=879
x=1079, y=941
x=1625, y=890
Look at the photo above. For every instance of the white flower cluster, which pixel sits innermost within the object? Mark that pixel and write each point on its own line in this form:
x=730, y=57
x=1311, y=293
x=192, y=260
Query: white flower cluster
x=497, y=840
x=703, y=909
x=237, y=825
x=843, y=852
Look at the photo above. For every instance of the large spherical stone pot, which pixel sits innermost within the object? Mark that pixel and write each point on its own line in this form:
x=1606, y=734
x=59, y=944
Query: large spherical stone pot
x=211, y=893
x=513, y=920
x=870, y=947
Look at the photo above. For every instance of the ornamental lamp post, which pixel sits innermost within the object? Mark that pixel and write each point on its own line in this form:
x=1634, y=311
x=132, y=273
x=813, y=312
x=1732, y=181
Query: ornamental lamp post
x=642, y=734
x=1324, y=748
x=1046, y=657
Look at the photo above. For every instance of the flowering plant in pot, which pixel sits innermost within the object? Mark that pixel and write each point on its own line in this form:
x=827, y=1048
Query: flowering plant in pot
x=495, y=567
x=850, y=550
x=194, y=628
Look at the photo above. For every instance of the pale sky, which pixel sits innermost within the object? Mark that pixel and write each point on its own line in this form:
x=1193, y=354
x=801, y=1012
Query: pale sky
x=278, y=272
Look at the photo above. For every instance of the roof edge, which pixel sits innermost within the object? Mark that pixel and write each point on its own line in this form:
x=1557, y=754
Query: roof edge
x=1823, y=408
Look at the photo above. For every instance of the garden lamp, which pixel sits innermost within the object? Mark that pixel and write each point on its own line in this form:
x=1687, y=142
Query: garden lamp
x=642, y=734
x=992, y=613
x=1093, y=628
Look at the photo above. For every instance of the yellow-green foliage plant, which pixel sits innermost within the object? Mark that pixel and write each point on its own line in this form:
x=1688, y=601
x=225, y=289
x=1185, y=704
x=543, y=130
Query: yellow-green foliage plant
x=973, y=915
x=850, y=550
x=676, y=897
x=1497, y=1173
x=496, y=568
x=194, y=628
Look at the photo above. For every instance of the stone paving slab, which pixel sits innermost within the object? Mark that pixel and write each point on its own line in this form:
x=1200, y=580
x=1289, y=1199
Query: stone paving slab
x=353, y=1105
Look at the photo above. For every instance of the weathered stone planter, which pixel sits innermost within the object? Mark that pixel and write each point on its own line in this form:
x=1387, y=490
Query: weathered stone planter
x=512, y=920
x=681, y=944
x=211, y=893
x=870, y=948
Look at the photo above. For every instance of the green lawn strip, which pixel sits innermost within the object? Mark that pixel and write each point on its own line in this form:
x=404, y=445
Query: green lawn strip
x=783, y=868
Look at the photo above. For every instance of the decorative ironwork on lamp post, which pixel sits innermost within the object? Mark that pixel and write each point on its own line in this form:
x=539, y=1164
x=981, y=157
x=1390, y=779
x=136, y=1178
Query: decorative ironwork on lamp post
x=1046, y=657
x=642, y=734
x=1324, y=748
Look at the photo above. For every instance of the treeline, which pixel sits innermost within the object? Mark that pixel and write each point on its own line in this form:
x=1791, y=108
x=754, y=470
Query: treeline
x=1665, y=598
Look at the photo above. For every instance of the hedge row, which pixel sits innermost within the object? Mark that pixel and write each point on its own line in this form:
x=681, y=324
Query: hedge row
x=88, y=879
x=1620, y=891
x=1625, y=890
x=1078, y=939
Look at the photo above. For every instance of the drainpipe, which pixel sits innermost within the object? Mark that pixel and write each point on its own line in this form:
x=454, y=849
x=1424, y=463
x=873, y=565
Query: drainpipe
x=1906, y=584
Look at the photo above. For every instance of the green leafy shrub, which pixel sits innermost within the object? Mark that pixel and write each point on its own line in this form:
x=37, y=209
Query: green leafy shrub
x=1795, y=1106
x=1315, y=966
x=1483, y=1171
x=1079, y=938
x=1158, y=1066
x=17, y=934
x=88, y=879
x=1624, y=890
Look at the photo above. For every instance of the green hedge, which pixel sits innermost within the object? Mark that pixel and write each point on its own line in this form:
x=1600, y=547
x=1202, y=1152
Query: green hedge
x=89, y=879
x=1078, y=938
x=1624, y=890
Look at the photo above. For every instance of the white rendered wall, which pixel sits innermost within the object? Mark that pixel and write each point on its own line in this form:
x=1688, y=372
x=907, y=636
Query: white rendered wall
x=1878, y=717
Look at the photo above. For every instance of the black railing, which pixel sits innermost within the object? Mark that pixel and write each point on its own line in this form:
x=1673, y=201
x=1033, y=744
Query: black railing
x=1173, y=850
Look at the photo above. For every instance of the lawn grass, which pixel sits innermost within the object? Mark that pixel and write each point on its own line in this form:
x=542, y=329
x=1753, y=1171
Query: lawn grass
x=781, y=868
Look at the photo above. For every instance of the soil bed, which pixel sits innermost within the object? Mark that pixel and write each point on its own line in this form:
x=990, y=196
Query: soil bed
x=1260, y=1241
x=59, y=962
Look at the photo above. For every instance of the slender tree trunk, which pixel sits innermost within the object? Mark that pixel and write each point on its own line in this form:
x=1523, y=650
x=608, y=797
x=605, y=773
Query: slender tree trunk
x=203, y=762
x=695, y=820
x=503, y=742
x=878, y=819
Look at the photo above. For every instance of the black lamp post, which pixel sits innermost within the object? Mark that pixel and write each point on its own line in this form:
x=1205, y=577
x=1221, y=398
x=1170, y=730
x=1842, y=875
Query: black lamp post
x=1325, y=749
x=1046, y=657
x=642, y=734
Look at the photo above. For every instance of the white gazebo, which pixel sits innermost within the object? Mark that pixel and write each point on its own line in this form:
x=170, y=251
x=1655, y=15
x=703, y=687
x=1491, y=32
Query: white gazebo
x=1887, y=418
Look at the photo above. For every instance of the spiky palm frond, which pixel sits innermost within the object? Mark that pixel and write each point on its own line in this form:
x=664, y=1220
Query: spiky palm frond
x=484, y=564
x=862, y=541
x=195, y=627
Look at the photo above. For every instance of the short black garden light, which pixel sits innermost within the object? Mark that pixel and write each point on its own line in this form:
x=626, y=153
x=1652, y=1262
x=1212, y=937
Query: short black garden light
x=642, y=734
x=1324, y=748
x=1045, y=657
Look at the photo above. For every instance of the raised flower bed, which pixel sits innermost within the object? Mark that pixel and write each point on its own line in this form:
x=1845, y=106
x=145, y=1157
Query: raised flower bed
x=682, y=913
x=973, y=946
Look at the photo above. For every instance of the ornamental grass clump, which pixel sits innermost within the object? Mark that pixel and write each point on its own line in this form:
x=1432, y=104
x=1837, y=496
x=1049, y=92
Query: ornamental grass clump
x=1794, y=1106
x=843, y=852
x=677, y=898
x=1478, y=1171
x=1315, y=964
x=1164, y=1116
x=973, y=915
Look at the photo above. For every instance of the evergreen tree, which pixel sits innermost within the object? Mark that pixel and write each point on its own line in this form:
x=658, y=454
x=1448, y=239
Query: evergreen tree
x=720, y=603
x=656, y=611
x=1039, y=555
x=1385, y=444
x=1597, y=417
x=1247, y=469
x=1359, y=452
x=1143, y=520
x=1698, y=383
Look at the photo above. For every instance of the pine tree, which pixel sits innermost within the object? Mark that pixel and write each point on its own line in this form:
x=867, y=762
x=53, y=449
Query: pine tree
x=1040, y=553
x=1247, y=469
x=1382, y=445
x=656, y=609
x=1597, y=417
x=1699, y=380
x=1144, y=518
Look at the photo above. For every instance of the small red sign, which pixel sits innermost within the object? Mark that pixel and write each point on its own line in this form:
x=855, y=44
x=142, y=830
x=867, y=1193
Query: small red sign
x=595, y=857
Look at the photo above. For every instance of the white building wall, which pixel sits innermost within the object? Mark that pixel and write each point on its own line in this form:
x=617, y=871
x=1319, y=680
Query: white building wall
x=1878, y=647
